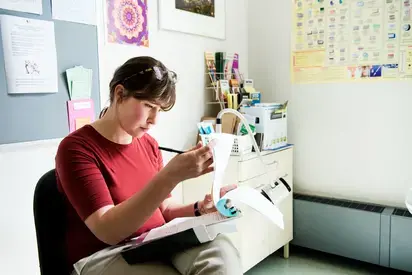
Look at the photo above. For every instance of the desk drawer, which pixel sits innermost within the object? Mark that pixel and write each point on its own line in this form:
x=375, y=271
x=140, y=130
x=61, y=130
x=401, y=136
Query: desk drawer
x=281, y=161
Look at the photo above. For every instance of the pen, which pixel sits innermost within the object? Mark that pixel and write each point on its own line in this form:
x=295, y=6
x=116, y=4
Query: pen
x=171, y=150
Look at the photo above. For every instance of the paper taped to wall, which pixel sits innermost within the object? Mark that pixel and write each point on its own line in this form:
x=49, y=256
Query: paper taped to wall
x=243, y=194
x=30, y=56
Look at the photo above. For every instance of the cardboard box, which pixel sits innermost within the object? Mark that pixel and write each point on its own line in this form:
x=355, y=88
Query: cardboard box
x=229, y=123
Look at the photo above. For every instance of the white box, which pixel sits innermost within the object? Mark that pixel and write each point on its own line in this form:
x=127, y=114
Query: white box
x=271, y=124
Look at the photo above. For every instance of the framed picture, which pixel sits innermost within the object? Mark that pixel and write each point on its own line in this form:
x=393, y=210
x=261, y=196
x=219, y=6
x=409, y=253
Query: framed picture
x=199, y=17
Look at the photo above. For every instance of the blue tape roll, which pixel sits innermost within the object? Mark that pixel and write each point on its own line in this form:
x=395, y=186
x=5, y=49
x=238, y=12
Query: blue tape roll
x=225, y=207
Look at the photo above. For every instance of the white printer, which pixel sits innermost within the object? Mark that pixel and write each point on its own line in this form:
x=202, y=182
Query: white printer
x=270, y=122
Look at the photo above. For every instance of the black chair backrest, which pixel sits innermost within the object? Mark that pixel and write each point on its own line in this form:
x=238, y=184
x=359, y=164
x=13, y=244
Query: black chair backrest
x=49, y=219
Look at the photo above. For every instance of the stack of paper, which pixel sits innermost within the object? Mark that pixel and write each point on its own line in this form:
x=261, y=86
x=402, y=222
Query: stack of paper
x=79, y=81
x=184, y=223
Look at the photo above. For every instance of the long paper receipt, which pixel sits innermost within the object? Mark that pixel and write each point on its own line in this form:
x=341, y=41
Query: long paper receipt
x=246, y=195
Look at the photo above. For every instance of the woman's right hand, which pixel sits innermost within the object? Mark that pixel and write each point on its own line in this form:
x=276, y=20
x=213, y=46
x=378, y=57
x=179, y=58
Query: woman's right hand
x=191, y=164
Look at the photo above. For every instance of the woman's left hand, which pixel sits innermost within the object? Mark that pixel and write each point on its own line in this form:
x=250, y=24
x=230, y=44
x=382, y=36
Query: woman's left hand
x=207, y=206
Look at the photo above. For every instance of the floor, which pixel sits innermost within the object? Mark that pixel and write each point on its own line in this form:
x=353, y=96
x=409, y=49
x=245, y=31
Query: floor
x=305, y=261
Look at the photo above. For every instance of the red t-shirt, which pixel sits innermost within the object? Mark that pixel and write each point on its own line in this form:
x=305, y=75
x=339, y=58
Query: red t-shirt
x=94, y=172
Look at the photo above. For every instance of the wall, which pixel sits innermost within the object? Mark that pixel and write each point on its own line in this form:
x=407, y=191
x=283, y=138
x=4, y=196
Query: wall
x=21, y=165
x=351, y=140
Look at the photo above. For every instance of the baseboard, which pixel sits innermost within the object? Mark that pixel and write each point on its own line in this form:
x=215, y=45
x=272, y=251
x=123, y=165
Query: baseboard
x=362, y=231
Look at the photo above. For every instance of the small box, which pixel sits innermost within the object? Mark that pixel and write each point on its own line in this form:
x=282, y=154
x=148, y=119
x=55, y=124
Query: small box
x=255, y=97
x=229, y=123
x=271, y=124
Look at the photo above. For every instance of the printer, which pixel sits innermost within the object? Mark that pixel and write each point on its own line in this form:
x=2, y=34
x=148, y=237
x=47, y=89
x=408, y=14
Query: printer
x=270, y=124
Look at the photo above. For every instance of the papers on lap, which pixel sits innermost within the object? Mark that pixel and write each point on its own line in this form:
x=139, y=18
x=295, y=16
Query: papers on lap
x=181, y=224
x=176, y=236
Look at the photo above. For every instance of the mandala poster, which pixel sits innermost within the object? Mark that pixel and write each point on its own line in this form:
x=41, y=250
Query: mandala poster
x=127, y=22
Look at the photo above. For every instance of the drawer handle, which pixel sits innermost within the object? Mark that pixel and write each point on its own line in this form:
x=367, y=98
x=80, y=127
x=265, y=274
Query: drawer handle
x=261, y=185
x=273, y=162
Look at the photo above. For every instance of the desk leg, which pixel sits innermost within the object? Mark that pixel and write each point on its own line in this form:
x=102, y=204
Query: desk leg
x=286, y=251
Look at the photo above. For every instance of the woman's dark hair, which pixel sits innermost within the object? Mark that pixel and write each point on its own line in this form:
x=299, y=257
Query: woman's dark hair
x=145, y=78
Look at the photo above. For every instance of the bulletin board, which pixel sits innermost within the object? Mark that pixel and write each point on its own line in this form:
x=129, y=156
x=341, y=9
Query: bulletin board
x=351, y=40
x=30, y=117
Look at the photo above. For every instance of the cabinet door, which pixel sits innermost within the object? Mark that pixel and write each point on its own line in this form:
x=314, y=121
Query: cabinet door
x=276, y=236
x=196, y=189
x=253, y=227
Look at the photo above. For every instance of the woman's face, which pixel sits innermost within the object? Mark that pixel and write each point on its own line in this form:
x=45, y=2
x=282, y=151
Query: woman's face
x=136, y=116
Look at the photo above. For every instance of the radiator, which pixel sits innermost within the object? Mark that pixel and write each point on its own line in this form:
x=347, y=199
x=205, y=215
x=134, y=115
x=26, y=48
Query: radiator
x=366, y=232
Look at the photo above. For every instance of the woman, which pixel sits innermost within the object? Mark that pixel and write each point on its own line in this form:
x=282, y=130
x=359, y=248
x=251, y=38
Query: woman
x=112, y=174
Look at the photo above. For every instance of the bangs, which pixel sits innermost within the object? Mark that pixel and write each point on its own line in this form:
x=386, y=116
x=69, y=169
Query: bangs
x=166, y=99
x=160, y=92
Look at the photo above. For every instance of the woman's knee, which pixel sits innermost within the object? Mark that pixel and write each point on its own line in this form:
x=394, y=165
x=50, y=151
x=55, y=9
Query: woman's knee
x=220, y=257
x=225, y=248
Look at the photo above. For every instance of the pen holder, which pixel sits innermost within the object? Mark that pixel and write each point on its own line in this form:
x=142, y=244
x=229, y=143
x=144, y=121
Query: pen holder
x=241, y=144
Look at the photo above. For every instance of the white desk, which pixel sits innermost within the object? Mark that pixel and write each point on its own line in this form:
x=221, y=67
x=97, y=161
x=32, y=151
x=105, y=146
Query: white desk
x=256, y=238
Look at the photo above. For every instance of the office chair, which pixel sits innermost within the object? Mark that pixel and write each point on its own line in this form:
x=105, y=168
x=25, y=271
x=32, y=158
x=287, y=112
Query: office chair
x=49, y=220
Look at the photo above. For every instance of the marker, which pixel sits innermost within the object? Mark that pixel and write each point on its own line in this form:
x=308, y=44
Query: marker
x=171, y=150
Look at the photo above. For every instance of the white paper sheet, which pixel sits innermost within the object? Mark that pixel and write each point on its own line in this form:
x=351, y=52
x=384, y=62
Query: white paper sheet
x=79, y=11
x=30, y=6
x=29, y=54
x=221, y=154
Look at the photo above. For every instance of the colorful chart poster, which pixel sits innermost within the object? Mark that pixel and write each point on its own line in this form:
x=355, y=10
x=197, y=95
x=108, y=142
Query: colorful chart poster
x=351, y=40
x=127, y=22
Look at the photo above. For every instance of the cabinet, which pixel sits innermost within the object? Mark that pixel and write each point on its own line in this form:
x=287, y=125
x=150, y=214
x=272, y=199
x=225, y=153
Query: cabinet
x=256, y=238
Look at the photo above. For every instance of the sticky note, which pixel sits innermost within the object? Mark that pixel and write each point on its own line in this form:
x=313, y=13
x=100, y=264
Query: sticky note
x=80, y=112
x=81, y=121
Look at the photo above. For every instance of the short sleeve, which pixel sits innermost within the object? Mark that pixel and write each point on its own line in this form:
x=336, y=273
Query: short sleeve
x=159, y=157
x=80, y=178
x=160, y=163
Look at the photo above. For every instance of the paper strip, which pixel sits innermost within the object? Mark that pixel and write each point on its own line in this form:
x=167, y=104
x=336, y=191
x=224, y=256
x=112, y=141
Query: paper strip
x=253, y=198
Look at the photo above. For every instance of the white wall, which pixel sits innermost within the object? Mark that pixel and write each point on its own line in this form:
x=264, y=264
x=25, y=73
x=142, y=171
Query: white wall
x=21, y=165
x=363, y=154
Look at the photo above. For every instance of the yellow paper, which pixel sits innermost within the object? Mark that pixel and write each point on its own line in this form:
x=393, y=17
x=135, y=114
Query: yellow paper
x=318, y=75
x=80, y=122
x=409, y=61
x=309, y=59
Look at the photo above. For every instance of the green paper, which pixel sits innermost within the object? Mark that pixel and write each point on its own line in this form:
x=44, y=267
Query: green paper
x=79, y=82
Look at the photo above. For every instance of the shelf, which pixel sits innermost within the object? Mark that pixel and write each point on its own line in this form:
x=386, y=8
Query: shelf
x=215, y=102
